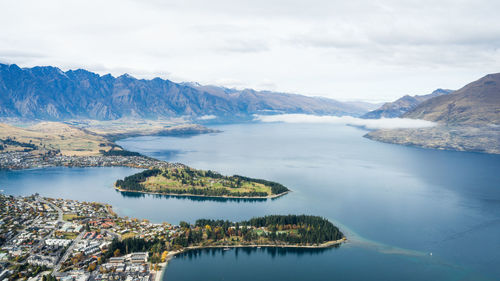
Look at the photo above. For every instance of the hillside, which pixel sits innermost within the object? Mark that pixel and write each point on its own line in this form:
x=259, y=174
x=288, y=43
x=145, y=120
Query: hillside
x=52, y=136
x=467, y=120
x=47, y=93
x=402, y=105
x=477, y=103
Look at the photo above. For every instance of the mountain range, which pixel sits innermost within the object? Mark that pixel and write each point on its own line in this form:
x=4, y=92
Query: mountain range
x=48, y=93
x=467, y=120
x=402, y=105
x=477, y=103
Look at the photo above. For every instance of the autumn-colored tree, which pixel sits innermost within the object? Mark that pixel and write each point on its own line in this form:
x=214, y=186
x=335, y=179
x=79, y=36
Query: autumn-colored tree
x=77, y=258
x=116, y=253
x=164, y=256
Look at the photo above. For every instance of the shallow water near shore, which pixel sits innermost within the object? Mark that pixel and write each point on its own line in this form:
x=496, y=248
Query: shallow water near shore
x=396, y=204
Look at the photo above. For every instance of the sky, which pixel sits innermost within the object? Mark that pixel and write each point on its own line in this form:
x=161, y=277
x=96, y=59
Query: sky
x=347, y=50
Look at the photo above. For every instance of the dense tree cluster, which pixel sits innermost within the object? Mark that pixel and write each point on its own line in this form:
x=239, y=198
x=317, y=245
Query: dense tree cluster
x=130, y=245
x=113, y=152
x=9, y=141
x=276, y=188
x=294, y=229
x=49, y=277
x=214, y=192
x=134, y=181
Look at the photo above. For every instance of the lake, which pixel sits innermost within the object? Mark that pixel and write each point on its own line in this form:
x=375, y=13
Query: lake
x=396, y=204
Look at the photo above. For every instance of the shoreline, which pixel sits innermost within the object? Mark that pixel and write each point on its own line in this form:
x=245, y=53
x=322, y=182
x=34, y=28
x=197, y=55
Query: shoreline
x=273, y=196
x=159, y=275
x=11, y=161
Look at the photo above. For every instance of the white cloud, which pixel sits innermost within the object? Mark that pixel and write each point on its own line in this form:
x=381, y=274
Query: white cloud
x=207, y=117
x=370, y=50
x=372, y=124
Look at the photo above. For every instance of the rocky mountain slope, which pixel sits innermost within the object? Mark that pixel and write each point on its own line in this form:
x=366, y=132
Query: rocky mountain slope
x=402, y=105
x=467, y=120
x=48, y=93
x=477, y=103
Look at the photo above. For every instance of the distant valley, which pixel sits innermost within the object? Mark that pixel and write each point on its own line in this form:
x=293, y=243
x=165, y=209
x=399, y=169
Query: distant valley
x=402, y=105
x=110, y=108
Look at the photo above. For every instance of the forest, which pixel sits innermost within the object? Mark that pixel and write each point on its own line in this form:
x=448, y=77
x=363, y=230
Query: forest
x=278, y=230
x=292, y=229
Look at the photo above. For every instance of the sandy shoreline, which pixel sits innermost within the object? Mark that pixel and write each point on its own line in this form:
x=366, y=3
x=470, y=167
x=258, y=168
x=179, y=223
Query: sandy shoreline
x=163, y=266
x=205, y=196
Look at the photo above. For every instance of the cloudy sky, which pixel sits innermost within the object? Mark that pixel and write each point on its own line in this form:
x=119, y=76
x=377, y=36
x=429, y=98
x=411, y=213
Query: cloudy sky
x=349, y=50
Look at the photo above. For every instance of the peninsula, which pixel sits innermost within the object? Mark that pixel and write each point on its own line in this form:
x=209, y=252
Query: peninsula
x=51, y=144
x=185, y=181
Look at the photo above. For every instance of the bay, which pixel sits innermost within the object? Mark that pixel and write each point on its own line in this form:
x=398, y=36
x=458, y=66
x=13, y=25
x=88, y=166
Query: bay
x=396, y=204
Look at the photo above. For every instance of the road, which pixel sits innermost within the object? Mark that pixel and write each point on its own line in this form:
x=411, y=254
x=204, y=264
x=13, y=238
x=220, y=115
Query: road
x=113, y=234
x=60, y=212
x=35, y=221
x=68, y=251
x=72, y=245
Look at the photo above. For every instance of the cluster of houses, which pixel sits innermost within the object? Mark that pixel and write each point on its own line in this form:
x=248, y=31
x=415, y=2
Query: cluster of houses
x=91, y=244
x=16, y=160
x=72, y=236
x=39, y=260
x=24, y=222
x=57, y=242
x=16, y=214
x=132, y=267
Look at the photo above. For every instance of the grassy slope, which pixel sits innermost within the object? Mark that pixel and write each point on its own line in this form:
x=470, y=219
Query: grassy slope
x=54, y=135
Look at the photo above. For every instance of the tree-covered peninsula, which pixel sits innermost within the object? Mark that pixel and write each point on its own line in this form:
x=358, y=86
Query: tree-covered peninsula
x=187, y=181
x=298, y=230
x=270, y=231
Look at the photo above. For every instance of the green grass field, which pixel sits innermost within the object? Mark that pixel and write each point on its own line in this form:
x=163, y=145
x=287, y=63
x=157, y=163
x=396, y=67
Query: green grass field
x=69, y=216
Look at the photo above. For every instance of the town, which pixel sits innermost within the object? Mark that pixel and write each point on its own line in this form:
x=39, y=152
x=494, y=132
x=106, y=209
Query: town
x=17, y=160
x=68, y=240
x=46, y=239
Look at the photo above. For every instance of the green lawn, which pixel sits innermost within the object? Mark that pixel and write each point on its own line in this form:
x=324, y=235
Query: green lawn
x=69, y=216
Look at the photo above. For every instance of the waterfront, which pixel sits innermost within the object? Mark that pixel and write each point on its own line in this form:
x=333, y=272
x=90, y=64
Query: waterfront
x=397, y=204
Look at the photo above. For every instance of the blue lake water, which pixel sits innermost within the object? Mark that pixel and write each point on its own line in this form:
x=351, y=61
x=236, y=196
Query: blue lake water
x=396, y=204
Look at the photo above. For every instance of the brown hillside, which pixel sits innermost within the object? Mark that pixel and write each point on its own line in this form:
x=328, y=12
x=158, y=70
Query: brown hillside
x=477, y=103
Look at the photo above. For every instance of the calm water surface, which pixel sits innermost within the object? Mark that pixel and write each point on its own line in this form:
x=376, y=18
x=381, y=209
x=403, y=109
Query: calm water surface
x=396, y=204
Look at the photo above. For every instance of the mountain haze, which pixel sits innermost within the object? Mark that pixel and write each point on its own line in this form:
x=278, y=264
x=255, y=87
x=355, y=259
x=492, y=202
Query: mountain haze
x=402, y=105
x=48, y=93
